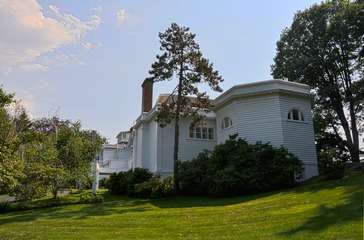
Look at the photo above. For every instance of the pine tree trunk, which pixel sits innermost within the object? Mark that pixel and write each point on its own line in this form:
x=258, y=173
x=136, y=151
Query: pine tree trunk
x=176, y=132
x=175, y=154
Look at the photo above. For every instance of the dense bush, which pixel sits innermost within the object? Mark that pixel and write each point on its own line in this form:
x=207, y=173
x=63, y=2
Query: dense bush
x=103, y=183
x=124, y=182
x=193, y=174
x=88, y=197
x=237, y=167
x=136, y=176
x=4, y=207
x=117, y=183
x=330, y=166
x=155, y=187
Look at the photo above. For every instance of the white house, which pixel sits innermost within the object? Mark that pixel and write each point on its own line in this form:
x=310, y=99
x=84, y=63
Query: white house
x=114, y=157
x=275, y=111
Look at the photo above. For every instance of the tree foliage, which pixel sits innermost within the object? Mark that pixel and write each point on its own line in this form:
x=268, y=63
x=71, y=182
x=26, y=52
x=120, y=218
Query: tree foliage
x=181, y=59
x=75, y=151
x=41, y=156
x=10, y=164
x=324, y=48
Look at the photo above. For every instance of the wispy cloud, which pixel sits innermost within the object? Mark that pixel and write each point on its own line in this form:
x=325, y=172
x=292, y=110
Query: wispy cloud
x=88, y=45
x=76, y=27
x=121, y=15
x=27, y=34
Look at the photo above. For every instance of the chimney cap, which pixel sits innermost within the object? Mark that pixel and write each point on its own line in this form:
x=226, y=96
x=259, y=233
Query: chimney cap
x=147, y=80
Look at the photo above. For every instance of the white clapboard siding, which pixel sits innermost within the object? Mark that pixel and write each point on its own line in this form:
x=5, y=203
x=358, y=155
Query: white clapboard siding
x=258, y=112
x=188, y=148
x=254, y=119
x=299, y=135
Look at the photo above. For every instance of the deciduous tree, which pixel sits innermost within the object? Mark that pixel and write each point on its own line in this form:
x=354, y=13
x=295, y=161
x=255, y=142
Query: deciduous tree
x=324, y=48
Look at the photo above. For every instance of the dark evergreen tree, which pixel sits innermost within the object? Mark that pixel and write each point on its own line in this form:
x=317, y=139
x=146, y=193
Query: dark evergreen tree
x=181, y=59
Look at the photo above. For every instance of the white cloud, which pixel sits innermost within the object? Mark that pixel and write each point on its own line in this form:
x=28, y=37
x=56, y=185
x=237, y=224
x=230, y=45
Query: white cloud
x=26, y=33
x=68, y=59
x=97, y=10
x=88, y=45
x=74, y=25
x=121, y=15
x=34, y=67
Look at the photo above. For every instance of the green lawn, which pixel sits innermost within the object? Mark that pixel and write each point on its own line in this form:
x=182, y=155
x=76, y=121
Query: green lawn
x=317, y=210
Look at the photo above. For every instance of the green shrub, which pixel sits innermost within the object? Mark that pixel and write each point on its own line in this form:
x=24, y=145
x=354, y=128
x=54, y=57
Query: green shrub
x=144, y=190
x=103, y=183
x=193, y=175
x=139, y=175
x=87, y=197
x=136, y=176
x=155, y=187
x=237, y=167
x=163, y=188
x=118, y=183
x=4, y=207
x=124, y=182
x=330, y=167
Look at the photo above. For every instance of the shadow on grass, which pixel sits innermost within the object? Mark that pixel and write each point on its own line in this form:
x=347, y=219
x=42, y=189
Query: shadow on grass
x=316, y=184
x=77, y=211
x=113, y=205
x=312, y=186
x=203, y=201
x=325, y=216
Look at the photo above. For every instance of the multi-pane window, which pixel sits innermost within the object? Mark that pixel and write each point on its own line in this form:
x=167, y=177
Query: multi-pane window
x=201, y=132
x=204, y=133
x=192, y=132
x=211, y=133
x=296, y=115
x=198, y=132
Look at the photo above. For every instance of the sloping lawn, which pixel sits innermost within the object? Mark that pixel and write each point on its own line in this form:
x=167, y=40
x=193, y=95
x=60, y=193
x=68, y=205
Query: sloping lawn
x=316, y=210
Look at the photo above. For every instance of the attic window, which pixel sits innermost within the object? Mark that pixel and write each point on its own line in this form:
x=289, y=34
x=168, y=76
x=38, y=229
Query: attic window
x=226, y=122
x=296, y=115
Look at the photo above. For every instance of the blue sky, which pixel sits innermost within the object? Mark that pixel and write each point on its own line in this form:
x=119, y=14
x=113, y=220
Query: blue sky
x=86, y=60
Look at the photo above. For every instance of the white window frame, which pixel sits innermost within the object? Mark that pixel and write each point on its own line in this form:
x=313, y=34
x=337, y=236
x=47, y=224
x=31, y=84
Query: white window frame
x=204, y=133
x=226, y=123
x=300, y=115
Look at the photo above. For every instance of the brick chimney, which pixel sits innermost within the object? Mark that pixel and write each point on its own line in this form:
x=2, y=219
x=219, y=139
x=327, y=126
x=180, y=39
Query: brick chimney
x=147, y=95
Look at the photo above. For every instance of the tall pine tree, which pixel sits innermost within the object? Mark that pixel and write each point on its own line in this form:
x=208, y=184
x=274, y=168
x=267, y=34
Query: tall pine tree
x=182, y=60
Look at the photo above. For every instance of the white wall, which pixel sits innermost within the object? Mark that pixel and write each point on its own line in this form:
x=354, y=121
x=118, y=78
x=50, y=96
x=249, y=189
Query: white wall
x=299, y=136
x=188, y=148
x=264, y=118
x=113, y=159
x=145, y=144
x=254, y=119
x=165, y=140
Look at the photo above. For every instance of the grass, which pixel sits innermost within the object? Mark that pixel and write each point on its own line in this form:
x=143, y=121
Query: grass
x=315, y=210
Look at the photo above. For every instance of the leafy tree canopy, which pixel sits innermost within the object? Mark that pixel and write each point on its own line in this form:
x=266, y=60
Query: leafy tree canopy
x=324, y=48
